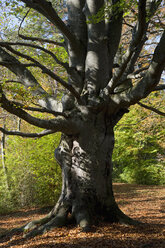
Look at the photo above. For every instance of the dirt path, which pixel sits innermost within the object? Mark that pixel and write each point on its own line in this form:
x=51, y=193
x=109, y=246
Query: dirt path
x=144, y=203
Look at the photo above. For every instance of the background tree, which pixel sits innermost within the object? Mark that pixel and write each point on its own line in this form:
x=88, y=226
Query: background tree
x=105, y=77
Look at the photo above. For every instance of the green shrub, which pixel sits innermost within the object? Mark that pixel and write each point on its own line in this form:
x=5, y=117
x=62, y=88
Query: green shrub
x=33, y=174
x=139, y=149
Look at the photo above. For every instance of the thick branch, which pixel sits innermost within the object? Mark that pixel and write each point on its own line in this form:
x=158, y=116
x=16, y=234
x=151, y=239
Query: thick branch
x=114, y=29
x=160, y=87
x=27, y=135
x=41, y=110
x=45, y=8
x=152, y=109
x=141, y=23
x=77, y=24
x=11, y=108
x=97, y=69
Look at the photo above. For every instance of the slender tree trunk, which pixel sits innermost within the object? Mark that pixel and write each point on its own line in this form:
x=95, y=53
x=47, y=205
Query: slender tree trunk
x=3, y=140
x=18, y=124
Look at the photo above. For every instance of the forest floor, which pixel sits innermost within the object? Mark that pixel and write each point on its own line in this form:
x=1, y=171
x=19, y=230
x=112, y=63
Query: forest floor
x=144, y=203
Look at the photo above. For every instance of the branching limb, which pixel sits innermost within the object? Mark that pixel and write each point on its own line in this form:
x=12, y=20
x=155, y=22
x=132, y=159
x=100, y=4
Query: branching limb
x=43, y=68
x=11, y=108
x=59, y=124
x=153, y=74
x=28, y=80
x=151, y=7
x=146, y=10
x=26, y=135
x=137, y=37
x=148, y=83
x=23, y=74
x=65, y=65
x=151, y=108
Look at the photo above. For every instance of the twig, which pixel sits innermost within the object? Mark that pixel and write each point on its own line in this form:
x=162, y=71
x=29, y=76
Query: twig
x=37, y=38
x=152, y=109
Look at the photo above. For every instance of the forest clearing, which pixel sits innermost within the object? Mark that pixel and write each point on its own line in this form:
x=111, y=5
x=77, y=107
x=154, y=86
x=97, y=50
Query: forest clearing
x=144, y=203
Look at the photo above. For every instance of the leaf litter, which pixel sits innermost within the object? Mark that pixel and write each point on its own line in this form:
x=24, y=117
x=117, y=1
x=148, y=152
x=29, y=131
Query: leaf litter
x=144, y=203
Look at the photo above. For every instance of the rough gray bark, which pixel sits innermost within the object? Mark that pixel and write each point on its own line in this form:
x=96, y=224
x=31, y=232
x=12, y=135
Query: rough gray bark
x=87, y=171
x=92, y=105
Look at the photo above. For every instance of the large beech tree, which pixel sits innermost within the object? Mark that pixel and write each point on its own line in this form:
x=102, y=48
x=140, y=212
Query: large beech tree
x=113, y=64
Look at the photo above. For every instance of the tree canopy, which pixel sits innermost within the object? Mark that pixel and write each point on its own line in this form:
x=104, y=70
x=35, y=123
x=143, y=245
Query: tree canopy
x=136, y=60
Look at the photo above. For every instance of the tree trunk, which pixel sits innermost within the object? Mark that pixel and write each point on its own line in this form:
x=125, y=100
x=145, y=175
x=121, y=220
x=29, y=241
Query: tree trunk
x=86, y=163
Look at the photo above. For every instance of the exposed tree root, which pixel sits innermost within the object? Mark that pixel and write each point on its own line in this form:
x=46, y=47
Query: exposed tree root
x=43, y=228
x=11, y=232
x=83, y=220
x=40, y=226
x=60, y=216
x=126, y=220
x=33, y=224
x=58, y=220
x=27, y=227
x=115, y=215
